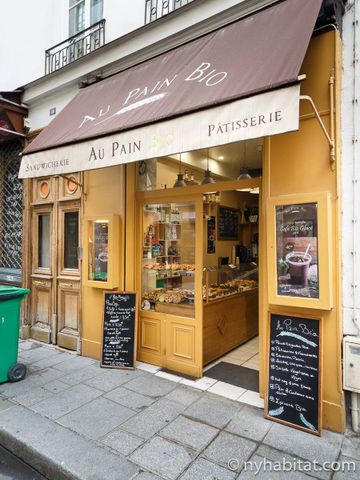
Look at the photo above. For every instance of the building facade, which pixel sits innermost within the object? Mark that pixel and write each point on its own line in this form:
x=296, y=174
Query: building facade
x=90, y=230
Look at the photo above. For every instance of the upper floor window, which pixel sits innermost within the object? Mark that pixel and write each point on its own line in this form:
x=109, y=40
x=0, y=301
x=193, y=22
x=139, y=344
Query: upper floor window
x=84, y=13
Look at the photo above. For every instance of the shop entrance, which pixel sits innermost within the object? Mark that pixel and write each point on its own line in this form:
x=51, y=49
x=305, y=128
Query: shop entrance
x=198, y=259
x=55, y=300
x=231, y=293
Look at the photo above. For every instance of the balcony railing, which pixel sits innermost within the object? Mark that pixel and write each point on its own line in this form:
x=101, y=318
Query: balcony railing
x=155, y=9
x=75, y=47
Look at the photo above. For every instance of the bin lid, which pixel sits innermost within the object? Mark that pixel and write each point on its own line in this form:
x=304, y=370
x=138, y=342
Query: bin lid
x=8, y=291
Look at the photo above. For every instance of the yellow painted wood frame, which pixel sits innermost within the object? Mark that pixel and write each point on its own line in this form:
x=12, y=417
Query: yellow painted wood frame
x=325, y=300
x=170, y=325
x=113, y=252
x=320, y=319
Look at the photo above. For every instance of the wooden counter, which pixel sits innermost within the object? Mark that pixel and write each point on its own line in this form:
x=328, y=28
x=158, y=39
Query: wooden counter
x=228, y=322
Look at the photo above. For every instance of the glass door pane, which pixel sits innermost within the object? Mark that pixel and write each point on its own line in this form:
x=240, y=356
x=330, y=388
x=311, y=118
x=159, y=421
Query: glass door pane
x=168, y=270
x=44, y=240
x=71, y=240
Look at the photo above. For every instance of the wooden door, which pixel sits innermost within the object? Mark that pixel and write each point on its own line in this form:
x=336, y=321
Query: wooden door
x=55, y=303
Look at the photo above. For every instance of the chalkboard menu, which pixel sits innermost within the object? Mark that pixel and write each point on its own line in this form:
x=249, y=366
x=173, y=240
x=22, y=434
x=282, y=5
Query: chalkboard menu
x=294, y=387
x=118, y=343
x=228, y=223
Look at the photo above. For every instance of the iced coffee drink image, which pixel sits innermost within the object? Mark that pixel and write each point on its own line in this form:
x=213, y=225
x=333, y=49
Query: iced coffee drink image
x=298, y=263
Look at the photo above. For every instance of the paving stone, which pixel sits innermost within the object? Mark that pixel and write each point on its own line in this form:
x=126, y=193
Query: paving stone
x=216, y=411
x=110, y=379
x=56, y=451
x=34, y=355
x=48, y=375
x=56, y=386
x=150, y=421
x=228, y=448
x=189, y=432
x=96, y=418
x=298, y=443
x=163, y=457
x=249, y=422
x=80, y=376
x=53, y=360
x=349, y=471
x=32, y=396
x=12, y=389
x=351, y=447
x=146, y=476
x=274, y=455
x=27, y=345
x=5, y=404
x=184, y=395
x=202, y=469
x=73, y=364
x=121, y=441
x=129, y=399
x=64, y=402
x=151, y=386
x=258, y=470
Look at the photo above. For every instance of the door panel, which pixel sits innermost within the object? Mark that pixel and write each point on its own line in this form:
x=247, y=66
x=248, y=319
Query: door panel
x=55, y=302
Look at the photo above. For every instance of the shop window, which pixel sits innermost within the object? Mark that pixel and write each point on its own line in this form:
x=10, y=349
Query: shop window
x=168, y=251
x=11, y=214
x=44, y=240
x=71, y=240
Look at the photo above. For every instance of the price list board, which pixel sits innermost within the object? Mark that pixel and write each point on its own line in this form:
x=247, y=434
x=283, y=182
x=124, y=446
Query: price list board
x=228, y=223
x=119, y=327
x=294, y=374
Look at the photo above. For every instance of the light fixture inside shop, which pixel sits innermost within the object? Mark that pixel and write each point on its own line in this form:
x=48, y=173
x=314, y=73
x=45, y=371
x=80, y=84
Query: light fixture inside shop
x=180, y=177
x=244, y=174
x=207, y=174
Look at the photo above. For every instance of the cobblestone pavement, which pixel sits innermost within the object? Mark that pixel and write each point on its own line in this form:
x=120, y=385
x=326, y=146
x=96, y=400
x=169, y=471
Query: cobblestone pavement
x=71, y=419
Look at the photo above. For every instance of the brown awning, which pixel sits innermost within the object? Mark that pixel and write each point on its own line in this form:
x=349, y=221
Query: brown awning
x=252, y=55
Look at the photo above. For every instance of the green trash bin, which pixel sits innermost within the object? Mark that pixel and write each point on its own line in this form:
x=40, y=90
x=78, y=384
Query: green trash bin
x=10, y=300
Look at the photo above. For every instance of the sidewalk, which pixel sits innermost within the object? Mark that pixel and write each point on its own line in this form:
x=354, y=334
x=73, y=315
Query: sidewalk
x=70, y=419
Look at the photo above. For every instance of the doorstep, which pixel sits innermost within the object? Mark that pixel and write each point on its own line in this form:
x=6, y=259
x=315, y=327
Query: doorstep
x=208, y=384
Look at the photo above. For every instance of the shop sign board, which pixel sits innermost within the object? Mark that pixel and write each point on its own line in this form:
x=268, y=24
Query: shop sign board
x=297, y=250
x=258, y=116
x=300, y=250
x=293, y=395
x=119, y=330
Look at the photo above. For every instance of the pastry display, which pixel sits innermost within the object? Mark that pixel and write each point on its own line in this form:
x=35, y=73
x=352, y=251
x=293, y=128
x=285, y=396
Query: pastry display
x=171, y=266
x=166, y=295
x=230, y=287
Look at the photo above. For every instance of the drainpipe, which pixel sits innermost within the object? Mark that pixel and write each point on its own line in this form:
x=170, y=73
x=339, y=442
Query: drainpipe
x=355, y=403
x=355, y=411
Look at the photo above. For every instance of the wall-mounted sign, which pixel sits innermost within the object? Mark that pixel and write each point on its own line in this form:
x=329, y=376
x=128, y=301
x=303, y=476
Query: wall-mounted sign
x=211, y=235
x=228, y=223
x=293, y=394
x=297, y=250
x=98, y=250
x=119, y=327
x=300, y=259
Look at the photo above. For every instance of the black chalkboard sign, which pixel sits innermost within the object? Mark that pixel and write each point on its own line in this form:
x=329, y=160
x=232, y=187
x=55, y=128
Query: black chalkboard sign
x=228, y=223
x=119, y=327
x=294, y=374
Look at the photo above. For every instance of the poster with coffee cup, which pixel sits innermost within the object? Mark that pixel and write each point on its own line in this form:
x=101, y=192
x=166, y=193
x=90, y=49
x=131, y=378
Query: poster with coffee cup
x=297, y=250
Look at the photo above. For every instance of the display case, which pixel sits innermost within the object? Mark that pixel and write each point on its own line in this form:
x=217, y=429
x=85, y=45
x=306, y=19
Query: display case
x=101, y=251
x=227, y=280
x=168, y=263
x=230, y=318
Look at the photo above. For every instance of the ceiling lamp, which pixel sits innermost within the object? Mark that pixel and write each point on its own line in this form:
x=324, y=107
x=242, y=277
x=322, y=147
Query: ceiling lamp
x=244, y=174
x=207, y=174
x=180, y=178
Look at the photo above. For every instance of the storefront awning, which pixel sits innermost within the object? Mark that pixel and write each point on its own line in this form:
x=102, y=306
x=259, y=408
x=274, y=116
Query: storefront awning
x=232, y=81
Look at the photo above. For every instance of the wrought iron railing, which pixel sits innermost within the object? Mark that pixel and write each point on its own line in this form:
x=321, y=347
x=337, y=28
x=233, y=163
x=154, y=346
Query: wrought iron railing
x=75, y=47
x=155, y=9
